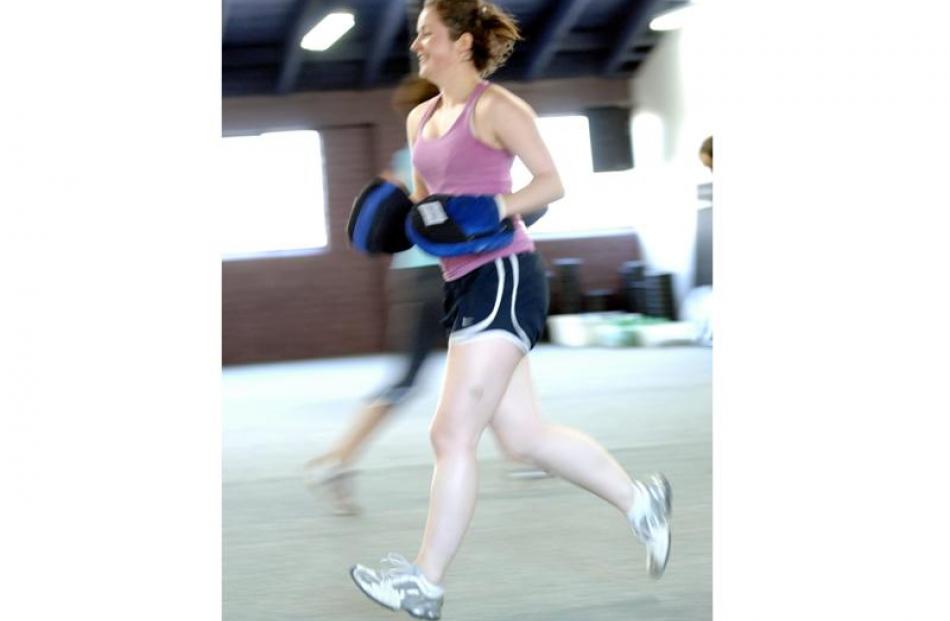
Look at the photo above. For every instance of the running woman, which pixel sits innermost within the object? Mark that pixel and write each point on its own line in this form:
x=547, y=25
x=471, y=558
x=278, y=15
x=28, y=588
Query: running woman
x=464, y=142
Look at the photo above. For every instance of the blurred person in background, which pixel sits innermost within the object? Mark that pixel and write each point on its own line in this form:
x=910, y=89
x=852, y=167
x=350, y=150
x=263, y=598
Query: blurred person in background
x=706, y=153
x=415, y=294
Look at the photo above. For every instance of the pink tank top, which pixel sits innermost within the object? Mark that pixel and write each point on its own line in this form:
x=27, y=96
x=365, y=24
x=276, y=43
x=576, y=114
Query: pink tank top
x=459, y=163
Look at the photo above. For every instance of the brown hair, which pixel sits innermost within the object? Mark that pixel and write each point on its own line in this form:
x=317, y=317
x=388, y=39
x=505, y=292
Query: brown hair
x=494, y=32
x=707, y=146
x=411, y=92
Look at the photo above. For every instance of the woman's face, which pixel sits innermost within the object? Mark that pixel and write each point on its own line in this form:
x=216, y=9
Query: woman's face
x=436, y=51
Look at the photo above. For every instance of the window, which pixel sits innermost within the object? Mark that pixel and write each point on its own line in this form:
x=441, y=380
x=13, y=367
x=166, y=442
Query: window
x=648, y=139
x=274, y=197
x=593, y=203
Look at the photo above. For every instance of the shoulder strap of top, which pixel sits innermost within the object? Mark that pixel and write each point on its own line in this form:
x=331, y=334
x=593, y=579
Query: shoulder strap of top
x=476, y=93
x=467, y=121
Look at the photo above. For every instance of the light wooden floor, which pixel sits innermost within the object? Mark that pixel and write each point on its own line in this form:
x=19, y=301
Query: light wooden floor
x=537, y=549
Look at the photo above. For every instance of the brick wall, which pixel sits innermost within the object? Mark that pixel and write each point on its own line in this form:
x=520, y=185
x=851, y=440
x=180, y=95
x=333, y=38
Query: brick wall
x=333, y=302
x=326, y=304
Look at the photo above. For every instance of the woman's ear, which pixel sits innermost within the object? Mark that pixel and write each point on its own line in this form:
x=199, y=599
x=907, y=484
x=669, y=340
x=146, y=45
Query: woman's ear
x=464, y=45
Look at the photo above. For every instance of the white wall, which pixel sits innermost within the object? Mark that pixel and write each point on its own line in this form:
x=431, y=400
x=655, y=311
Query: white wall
x=672, y=98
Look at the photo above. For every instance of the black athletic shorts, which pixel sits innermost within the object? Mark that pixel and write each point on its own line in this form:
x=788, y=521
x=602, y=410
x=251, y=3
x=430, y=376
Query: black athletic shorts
x=507, y=297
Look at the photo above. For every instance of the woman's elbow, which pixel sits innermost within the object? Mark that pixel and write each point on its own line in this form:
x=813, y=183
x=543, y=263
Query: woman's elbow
x=557, y=189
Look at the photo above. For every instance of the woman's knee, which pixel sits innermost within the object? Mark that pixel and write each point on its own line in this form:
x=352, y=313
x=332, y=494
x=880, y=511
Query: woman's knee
x=451, y=438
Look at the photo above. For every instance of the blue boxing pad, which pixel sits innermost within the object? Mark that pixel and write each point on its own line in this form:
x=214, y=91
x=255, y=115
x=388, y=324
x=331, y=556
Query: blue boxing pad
x=376, y=223
x=447, y=226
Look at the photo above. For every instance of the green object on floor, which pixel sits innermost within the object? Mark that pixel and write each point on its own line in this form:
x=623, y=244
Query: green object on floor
x=633, y=320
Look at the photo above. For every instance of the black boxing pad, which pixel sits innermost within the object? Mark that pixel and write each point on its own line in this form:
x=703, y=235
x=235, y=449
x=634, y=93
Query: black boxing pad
x=533, y=216
x=377, y=219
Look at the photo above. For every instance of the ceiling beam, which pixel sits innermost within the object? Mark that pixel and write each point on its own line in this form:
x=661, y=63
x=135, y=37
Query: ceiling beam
x=251, y=56
x=306, y=14
x=389, y=21
x=582, y=42
x=636, y=23
x=593, y=41
x=563, y=16
x=353, y=49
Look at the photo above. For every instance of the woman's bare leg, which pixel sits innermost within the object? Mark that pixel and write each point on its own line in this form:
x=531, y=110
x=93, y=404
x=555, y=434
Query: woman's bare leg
x=476, y=376
x=563, y=451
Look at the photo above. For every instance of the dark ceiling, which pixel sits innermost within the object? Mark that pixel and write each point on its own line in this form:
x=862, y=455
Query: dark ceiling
x=261, y=54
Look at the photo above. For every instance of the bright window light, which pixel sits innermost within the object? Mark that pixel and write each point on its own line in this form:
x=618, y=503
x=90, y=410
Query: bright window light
x=648, y=141
x=273, y=197
x=672, y=20
x=593, y=203
x=327, y=32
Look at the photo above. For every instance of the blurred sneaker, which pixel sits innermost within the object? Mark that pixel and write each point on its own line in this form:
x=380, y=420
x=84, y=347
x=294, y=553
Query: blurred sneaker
x=650, y=519
x=332, y=480
x=401, y=586
x=528, y=472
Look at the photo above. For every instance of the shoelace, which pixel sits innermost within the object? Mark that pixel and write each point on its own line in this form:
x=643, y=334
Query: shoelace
x=399, y=564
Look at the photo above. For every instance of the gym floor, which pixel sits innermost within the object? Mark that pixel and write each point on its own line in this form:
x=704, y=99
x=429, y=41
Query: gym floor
x=537, y=549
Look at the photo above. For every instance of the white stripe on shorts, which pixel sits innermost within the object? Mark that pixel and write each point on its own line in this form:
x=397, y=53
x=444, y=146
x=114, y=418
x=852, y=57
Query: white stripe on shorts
x=495, y=333
x=481, y=325
x=514, y=299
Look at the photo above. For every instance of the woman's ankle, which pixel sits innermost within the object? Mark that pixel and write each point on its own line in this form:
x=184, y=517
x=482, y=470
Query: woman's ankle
x=430, y=574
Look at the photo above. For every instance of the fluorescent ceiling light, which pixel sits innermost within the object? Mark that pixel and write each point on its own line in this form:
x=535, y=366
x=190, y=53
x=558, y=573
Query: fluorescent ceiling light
x=327, y=32
x=672, y=20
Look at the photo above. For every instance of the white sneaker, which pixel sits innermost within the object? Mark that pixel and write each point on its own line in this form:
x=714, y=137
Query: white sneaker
x=400, y=587
x=528, y=472
x=650, y=519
